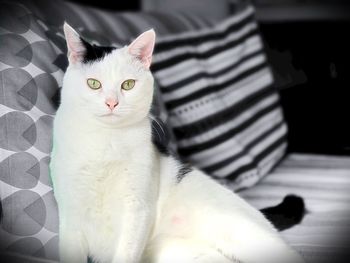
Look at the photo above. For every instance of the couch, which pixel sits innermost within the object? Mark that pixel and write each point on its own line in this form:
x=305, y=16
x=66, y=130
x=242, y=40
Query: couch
x=32, y=63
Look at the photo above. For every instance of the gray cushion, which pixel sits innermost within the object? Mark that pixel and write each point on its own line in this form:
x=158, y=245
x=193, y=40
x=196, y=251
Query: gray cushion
x=31, y=66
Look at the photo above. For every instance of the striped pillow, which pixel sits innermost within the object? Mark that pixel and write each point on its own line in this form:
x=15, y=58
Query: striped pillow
x=223, y=110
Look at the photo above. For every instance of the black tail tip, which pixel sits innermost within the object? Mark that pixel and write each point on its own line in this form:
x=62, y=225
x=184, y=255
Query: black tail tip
x=294, y=206
x=286, y=214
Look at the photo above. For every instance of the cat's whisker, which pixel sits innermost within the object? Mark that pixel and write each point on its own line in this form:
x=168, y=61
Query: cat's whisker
x=155, y=120
x=160, y=138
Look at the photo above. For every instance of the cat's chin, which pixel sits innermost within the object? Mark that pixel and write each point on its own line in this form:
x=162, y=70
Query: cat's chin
x=108, y=118
x=108, y=115
x=112, y=120
x=117, y=119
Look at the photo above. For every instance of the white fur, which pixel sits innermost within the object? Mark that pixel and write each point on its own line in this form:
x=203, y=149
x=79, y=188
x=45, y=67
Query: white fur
x=118, y=198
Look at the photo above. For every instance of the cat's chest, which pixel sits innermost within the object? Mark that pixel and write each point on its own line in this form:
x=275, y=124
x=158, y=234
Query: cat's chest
x=104, y=180
x=101, y=194
x=99, y=163
x=102, y=201
x=102, y=149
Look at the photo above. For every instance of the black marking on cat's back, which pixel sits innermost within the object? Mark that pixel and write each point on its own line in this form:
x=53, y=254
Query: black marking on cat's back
x=162, y=149
x=94, y=52
x=183, y=171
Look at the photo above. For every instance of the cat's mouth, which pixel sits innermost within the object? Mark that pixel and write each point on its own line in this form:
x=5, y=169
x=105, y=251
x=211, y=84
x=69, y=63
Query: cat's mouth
x=109, y=114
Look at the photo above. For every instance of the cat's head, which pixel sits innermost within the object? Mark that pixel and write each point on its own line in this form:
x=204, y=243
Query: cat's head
x=113, y=86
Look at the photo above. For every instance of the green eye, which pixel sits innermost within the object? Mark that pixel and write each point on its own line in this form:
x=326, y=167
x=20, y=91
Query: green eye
x=94, y=83
x=128, y=84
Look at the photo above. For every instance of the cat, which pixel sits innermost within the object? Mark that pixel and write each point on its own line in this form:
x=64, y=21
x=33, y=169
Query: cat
x=121, y=200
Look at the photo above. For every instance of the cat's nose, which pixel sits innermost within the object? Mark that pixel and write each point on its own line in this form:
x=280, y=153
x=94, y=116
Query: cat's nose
x=111, y=103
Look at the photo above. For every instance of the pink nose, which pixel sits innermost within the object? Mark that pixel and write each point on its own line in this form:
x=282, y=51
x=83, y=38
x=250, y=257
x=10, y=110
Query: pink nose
x=111, y=103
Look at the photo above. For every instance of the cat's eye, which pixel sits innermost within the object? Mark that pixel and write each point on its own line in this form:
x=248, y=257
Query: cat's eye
x=128, y=84
x=94, y=83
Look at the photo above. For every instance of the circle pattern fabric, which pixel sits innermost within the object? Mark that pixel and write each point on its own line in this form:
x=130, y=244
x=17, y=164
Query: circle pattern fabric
x=31, y=71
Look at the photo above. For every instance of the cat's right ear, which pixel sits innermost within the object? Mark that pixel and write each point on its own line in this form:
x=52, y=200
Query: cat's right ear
x=75, y=45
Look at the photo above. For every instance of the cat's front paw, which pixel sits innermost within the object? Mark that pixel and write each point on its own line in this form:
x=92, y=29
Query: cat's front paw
x=290, y=256
x=125, y=258
x=65, y=258
x=71, y=252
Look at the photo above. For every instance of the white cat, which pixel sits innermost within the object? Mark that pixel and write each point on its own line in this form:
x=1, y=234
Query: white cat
x=120, y=200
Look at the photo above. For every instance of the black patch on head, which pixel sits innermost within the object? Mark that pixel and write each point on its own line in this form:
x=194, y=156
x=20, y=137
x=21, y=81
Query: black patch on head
x=94, y=52
x=287, y=214
x=183, y=171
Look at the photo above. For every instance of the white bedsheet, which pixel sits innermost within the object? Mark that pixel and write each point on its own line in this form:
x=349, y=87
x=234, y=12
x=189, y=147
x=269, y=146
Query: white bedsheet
x=324, y=183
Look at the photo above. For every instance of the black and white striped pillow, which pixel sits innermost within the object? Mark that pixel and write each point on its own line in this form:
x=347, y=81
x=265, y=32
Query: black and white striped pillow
x=217, y=87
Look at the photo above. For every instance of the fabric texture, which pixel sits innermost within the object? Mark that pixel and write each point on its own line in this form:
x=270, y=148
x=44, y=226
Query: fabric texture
x=223, y=110
x=31, y=67
x=324, y=183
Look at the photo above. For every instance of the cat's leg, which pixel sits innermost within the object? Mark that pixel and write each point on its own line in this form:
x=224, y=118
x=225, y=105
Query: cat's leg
x=71, y=249
x=136, y=216
x=168, y=249
x=72, y=245
x=252, y=243
x=240, y=231
x=134, y=232
x=212, y=213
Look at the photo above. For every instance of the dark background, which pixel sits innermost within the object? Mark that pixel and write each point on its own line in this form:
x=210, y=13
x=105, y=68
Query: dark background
x=120, y=5
x=309, y=49
x=311, y=60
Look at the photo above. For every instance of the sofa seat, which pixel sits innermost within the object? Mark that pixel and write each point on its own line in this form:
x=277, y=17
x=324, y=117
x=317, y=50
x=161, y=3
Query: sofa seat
x=324, y=183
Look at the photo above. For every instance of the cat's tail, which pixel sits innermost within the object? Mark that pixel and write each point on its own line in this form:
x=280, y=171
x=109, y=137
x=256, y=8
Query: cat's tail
x=286, y=214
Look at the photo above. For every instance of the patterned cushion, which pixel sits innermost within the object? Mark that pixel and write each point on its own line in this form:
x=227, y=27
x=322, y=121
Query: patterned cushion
x=217, y=89
x=31, y=67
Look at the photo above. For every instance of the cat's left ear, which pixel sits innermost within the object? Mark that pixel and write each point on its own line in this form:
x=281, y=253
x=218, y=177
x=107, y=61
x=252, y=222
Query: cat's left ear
x=75, y=45
x=142, y=47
